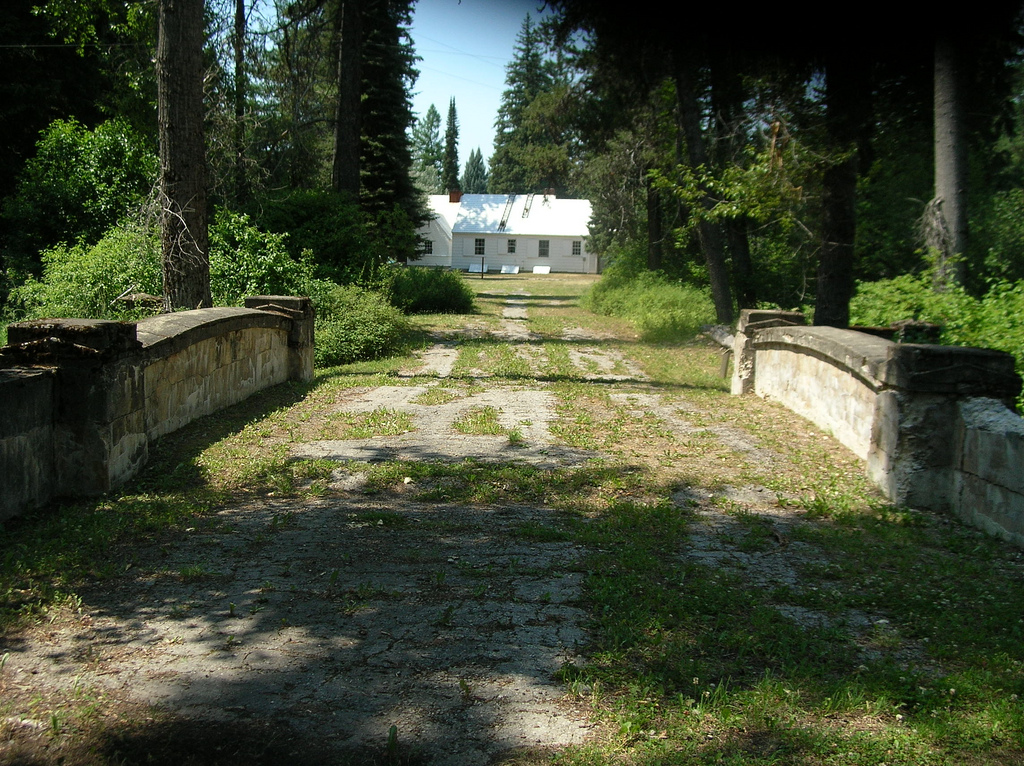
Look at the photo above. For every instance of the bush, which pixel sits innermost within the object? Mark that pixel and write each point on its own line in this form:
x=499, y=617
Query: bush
x=353, y=324
x=246, y=261
x=85, y=281
x=324, y=224
x=79, y=184
x=910, y=296
x=428, y=291
x=660, y=309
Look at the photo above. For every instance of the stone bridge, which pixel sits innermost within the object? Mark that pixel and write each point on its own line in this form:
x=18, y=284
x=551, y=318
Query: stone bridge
x=934, y=424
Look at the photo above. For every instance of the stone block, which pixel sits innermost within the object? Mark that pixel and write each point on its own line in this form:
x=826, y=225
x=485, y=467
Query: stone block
x=768, y=317
x=991, y=444
x=990, y=507
x=26, y=439
x=103, y=336
x=951, y=370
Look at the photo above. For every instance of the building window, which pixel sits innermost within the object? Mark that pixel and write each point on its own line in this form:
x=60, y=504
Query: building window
x=544, y=248
x=478, y=246
x=511, y=245
x=577, y=247
x=428, y=247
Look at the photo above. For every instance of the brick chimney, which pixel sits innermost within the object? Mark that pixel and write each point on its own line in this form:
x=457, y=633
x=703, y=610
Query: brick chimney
x=455, y=195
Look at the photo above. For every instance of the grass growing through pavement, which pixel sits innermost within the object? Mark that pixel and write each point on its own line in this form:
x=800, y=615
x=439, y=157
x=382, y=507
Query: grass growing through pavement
x=480, y=421
x=884, y=636
x=695, y=665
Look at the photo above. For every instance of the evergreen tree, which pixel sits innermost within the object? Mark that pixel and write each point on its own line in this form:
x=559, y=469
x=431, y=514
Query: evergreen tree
x=474, y=178
x=531, y=144
x=450, y=168
x=386, y=109
x=428, y=152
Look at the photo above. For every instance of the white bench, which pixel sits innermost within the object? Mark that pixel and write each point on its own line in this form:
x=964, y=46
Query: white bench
x=506, y=269
x=541, y=269
x=476, y=268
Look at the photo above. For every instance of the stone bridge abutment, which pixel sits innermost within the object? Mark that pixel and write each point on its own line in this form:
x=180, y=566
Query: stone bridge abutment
x=934, y=424
x=83, y=399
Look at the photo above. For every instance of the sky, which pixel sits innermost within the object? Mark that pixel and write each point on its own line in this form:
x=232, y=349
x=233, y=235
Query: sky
x=464, y=46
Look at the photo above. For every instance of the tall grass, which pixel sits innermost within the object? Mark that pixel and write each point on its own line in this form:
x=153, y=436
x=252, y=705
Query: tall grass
x=660, y=309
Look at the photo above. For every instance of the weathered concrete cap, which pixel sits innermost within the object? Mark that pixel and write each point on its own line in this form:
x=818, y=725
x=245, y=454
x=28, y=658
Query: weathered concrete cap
x=860, y=354
x=289, y=302
x=183, y=328
x=757, y=316
x=100, y=335
x=951, y=370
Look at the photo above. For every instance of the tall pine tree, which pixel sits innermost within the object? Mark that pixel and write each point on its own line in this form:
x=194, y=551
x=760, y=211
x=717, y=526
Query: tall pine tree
x=450, y=169
x=474, y=178
x=428, y=152
x=531, y=143
x=386, y=112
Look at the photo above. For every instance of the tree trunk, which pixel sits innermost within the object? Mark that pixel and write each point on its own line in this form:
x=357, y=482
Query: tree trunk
x=183, y=217
x=653, y=228
x=946, y=227
x=347, y=124
x=711, y=240
x=742, y=268
x=238, y=40
x=845, y=106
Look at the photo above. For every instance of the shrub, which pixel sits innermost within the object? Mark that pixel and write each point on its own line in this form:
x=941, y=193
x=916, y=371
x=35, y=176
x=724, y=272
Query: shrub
x=996, y=320
x=660, y=309
x=354, y=324
x=79, y=184
x=85, y=281
x=246, y=261
x=910, y=296
x=351, y=323
x=429, y=291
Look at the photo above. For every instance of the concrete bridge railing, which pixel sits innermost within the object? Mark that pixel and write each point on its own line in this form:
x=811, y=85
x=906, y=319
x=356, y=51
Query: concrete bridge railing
x=83, y=399
x=934, y=424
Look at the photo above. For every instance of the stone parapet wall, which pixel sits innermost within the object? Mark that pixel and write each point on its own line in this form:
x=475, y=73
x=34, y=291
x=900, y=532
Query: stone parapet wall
x=93, y=394
x=26, y=438
x=934, y=424
x=198, y=362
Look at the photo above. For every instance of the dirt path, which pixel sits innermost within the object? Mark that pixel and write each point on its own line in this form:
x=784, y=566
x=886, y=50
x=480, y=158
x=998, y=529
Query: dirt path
x=356, y=625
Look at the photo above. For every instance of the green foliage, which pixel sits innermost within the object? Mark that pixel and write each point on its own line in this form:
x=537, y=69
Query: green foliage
x=429, y=291
x=427, y=151
x=533, y=135
x=474, y=178
x=996, y=320
x=326, y=224
x=998, y=235
x=79, y=183
x=450, y=161
x=82, y=281
x=246, y=261
x=344, y=244
x=85, y=281
x=660, y=309
x=388, y=74
x=353, y=324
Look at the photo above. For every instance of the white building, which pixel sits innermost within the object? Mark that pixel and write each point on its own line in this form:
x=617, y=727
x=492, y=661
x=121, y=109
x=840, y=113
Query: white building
x=505, y=231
